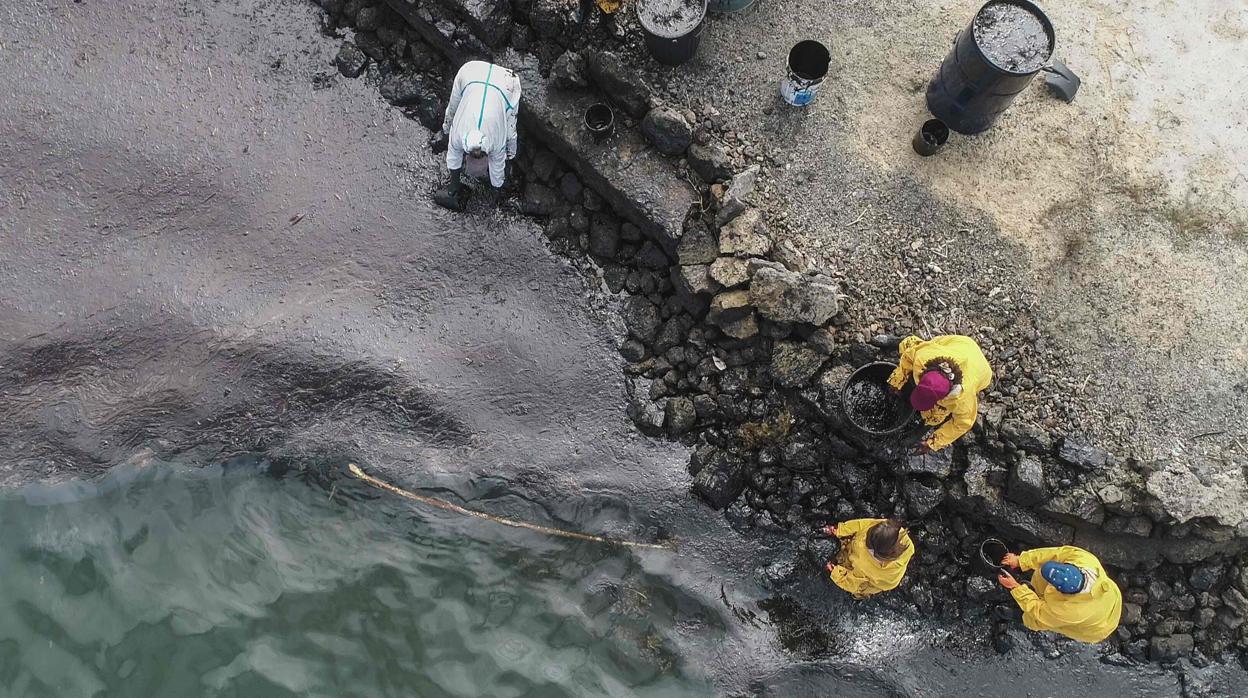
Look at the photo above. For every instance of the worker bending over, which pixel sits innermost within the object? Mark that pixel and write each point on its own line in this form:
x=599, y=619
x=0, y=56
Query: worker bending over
x=873, y=558
x=480, y=123
x=1072, y=594
x=948, y=373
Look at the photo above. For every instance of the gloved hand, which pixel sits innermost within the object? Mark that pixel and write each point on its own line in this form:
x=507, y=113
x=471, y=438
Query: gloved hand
x=439, y=142
x=830, y=531
x=1007, y=580
x=1010, y=560
x=923, y=448
x=830, y=566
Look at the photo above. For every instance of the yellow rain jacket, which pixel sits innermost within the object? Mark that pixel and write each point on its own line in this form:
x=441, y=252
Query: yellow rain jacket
x=1090, y=616
x=857, y=570
x=916, y=354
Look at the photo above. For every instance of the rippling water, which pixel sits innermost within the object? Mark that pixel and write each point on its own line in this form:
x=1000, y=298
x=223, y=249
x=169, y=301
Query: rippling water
x=163, y=581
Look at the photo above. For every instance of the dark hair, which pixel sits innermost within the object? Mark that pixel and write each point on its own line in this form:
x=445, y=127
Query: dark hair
x=955, y=371
x=884, y=539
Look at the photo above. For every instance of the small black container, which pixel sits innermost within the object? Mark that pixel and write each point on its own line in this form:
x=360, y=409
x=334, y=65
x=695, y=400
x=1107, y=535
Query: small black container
x=971, y=91
x=870, y=406
x=931, y=137
x=672, y=28
x=600, y=121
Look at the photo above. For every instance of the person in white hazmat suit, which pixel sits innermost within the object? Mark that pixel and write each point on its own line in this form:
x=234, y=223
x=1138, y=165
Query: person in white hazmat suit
x=480, y=123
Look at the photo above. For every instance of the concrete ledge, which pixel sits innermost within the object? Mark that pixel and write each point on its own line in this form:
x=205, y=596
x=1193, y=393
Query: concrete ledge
x=635, y=179
x=632, y=177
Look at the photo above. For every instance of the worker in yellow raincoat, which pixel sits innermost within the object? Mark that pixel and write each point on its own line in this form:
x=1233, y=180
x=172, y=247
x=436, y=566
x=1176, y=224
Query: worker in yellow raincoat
x=873, y=558
x=949, y=372
x=1072, y=594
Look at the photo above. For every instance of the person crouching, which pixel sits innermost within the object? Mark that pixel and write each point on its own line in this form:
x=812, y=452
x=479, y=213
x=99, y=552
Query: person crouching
x=480, y=127
x=1070, y=593
x=873, y=558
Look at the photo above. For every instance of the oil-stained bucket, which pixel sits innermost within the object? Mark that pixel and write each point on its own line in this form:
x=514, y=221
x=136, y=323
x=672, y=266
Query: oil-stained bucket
x=869, y=405
x=807, y=67
x=672, y=28
x=600, y=121
x=931, y=137
x=993, y=59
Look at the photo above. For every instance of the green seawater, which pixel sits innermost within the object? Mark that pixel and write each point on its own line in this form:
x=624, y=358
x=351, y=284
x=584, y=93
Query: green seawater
x=231, y=581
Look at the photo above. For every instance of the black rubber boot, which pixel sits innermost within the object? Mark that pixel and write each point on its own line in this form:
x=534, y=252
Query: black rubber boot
x=454, y=196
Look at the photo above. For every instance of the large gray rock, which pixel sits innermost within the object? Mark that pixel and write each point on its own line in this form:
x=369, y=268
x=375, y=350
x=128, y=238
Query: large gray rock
x=551, y=19
x=784, y=296
x=737, y=197
x=922, y=498
x=1026, y=483
x=568, y=71
x=979, y=479
x=938, y=464
x=1021, y=523
x=793, y=364
x=673, y=333
x=1168, y=649
x=1077, y=503
x=730, y=272
x=1207, y=576
x=367, y=18
x=350, y=60
x=1203, y=489
x=647, y=415
x=729, y=306
x=1027, y=437
x=698, y=246
x=1239, y=577
x=741, y=328
x=679, y=416
x=1237, y=600
x=720, y=478
x=540, y=200
x=1130, y=525
x=617, y=78
x=642, y=318
x=693, y=279
x=1081, y=453
x=710, y=160
x=745, y=236
x=604, y=235
x=489, y=20
x=667, y=130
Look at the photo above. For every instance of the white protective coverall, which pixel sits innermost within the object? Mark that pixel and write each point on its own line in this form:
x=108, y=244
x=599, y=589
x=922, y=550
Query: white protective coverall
x=485, y=101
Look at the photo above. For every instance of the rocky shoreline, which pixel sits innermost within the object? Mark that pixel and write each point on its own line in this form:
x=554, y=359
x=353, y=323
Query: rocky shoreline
x=738, y=346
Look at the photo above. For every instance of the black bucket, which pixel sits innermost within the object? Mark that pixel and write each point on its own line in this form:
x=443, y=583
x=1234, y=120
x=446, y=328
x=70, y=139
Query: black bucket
x=600, y=121
x=990, y=553
x=931, y=137
x=871, y=406
x=673, y=28
x=992, y=60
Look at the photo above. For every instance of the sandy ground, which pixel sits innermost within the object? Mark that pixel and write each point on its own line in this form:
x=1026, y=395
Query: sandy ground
x=1109, y=232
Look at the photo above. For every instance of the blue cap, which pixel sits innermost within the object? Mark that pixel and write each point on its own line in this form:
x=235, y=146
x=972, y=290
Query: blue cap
x=1067, y=579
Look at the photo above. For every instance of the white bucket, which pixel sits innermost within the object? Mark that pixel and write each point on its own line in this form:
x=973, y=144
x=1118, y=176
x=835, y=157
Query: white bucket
x=807, y=67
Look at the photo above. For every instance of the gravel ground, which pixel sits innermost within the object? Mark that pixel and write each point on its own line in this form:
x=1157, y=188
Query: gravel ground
x=1096, y=248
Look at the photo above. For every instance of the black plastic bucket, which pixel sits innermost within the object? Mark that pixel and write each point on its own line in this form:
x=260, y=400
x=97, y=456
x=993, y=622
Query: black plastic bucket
x=992, y=60
x=807, y=67
x=870, y=405
x=600, y=121
x=673, y=28
x=931, y=137
x=990, y=553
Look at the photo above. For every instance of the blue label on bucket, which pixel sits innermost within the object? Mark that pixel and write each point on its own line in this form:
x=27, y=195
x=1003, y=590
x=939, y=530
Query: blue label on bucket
x=802, y=97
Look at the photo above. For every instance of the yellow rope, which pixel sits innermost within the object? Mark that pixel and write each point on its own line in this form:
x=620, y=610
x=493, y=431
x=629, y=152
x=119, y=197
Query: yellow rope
x=431, y=501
